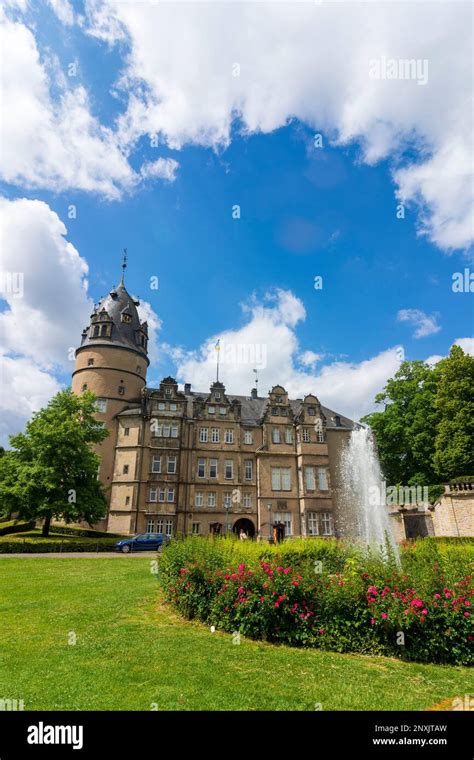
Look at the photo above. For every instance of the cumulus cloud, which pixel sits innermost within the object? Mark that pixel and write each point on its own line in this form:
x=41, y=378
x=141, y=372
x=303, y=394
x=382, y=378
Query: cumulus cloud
x=25, y=389
x=424, y=324
x=268, y=342
x=47, y=318
x=193, y=68
x=57, y=143
x=164, y=168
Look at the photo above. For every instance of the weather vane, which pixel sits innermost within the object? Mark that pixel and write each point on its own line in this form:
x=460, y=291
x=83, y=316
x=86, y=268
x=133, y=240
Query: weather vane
x=124, y=263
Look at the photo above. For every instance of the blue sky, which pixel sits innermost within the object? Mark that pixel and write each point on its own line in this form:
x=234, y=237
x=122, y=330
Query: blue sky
x=305, y=211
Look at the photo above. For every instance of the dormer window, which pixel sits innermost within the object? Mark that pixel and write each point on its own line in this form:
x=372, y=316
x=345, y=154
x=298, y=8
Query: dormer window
x=279, y=399
x=311, y=410
x=217, y=396
x=168, y=392
x=96, y=331
x=90, y=362
x=126, y=318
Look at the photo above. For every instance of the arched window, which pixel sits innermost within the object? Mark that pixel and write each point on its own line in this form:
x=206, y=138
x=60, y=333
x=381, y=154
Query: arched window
x=96, y=331
x=104, y=330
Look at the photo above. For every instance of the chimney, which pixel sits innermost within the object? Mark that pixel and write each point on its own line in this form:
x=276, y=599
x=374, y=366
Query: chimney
x=253, y=393
x=187, y=388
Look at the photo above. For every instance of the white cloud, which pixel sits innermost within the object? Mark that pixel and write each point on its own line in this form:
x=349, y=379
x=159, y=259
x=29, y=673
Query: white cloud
x=467, y=345
x=49, y=317
x=193, y=67
x=269, y=334
x=147, y=314
x=63, y=10
x=57, y=143
x=25, y=389
x=163, y=168
x=309, y=358
x=425, y=324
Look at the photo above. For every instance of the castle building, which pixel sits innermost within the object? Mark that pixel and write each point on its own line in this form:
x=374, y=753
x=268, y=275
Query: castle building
x=181, y=461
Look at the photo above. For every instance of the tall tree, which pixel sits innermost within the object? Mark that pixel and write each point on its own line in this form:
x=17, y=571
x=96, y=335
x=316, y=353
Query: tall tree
x=454, y=446
x=52, y=470
x=425, y=434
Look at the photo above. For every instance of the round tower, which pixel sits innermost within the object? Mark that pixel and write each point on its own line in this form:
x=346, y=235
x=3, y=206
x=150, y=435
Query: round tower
x=112, y=362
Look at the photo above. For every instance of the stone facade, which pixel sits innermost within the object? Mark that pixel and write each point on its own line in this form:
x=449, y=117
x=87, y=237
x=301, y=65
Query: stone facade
x=453, y=513
x=182, y=461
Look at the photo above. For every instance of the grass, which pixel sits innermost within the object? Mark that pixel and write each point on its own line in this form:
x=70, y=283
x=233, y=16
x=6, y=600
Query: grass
x=134, y=653
x=33, y=540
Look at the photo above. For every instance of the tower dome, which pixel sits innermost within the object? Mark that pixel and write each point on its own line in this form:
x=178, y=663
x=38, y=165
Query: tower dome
x=115, y=322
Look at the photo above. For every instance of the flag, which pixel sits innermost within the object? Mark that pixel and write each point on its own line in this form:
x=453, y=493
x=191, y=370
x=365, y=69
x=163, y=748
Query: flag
x=218, y=345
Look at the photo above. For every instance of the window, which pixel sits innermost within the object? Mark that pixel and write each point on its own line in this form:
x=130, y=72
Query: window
x=326, y=524
x=281, y=479
x=229, y=436
x=156, y=463
x=96, y=331
x=90, y=362
x=313, y=524
x=275, y=410
x=247, y=500
x=173, y=407
x=248, y=436
x=222, y=410
x=101, y=405
x=285, y=518
x=198, y=499
x=153, y=493
x=125, y=469
x=278, y=399
x=84, y=387
x=229, y=469
x=288, y=435
x=150, y=526
x=174, y=431
x=168, y=392
x=169, y=527
x=203, y=435
x=166, y=431
x=213, y=468
x=322, y=479
x=320, y=436
x=161, y=406
x=159, y=525
x=121, y=390
x=201, y=469
x=170, y=495
x=157, y=429
x=161, y=495
x=311, y=411
x=309, y=478
x=211, y=499
x=196, y=529
x=126, y=431
x=276, y=435
x=127, y=500
x=211, y=409
x=217, y=396
x=215, y=435
x=227, y=500
x=171, y=465
x=248, y=469
x=306, y=435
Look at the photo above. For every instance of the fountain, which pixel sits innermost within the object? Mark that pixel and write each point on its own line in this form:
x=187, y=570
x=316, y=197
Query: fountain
x=363, y=492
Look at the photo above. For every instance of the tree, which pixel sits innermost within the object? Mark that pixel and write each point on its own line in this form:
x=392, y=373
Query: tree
x=425, y=434
x=404, y=430
x=454, y=446
x=52, y=470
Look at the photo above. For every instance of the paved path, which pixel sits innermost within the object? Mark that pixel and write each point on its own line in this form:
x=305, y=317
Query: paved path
x=75, y=555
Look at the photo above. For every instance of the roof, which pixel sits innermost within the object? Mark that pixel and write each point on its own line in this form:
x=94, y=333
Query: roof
x=253, y=409
x=124, y=334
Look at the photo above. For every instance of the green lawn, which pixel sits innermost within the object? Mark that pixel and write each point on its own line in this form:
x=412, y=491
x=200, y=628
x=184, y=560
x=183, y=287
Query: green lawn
x=133, y=653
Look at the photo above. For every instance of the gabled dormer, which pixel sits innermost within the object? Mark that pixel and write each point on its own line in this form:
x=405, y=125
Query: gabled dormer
x=278, y=404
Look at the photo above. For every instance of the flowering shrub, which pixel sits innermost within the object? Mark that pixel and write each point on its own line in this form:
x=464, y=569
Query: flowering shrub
x=367, y=607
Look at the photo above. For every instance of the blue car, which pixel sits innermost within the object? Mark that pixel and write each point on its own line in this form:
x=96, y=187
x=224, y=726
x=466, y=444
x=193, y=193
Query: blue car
x=144, y=542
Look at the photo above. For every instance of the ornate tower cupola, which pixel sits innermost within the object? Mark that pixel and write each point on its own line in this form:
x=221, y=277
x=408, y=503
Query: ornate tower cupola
x=115, y=322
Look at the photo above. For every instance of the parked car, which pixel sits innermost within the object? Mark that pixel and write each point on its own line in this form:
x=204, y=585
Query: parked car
x=144, y=542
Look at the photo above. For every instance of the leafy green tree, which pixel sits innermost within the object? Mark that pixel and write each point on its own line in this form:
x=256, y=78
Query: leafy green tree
x=52, y=470
x=454, y=446
x=404, y=431
x=425, y=434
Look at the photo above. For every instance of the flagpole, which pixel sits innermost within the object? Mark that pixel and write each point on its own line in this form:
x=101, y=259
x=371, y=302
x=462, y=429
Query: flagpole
x=218, y=352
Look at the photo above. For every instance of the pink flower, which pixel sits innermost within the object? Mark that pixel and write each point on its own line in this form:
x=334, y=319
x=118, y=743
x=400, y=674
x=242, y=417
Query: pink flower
x=372, y=590
x=279, y=569
x=241, y=590
x=406, y=612
x=295, y=583
x=322, y=630
x=277, y=604
x=467, y=603
x=437, y=596
x=424, y=612
x=287, y=570
x=384, y=616
x=241, y=568
x=372, y=622
x=466, y=614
